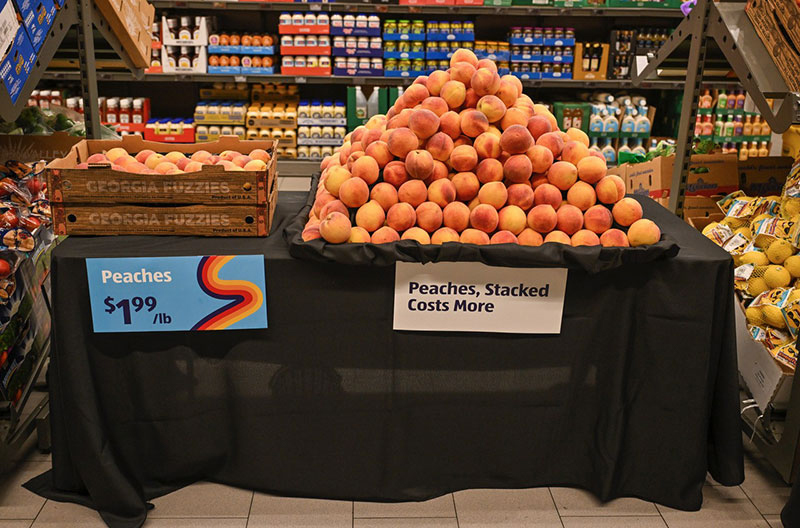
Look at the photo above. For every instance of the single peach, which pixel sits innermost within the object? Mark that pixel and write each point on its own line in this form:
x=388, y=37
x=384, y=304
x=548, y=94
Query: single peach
x=311, y=232
x=516, y=139
x=442, y=192
x=462, y=72
x=581, y=195
x=419, y=164
x=454, y=93
x=335, y=228
x=576, y=134
x=584, y=237
x=529, y=237
x=379, y=151
x=489, y=170
x=484, y=218
x=365, y=168
x=614, y=238
x=371, y=136
x=507, y=92
x=541, y=158
x=336, y=177
x=553, y=141
x=487, y=145
x=358, y=235
x=417, y=234
x=400, y=120
x=415, y=94
x=385, y=194
x=542, y=218
x=598, y=219
x=590, y=169
x=626, y=212
x=504, y=237
x=466, y=185
x=395, y=173
x=521, y=195
x=370, y=216
x=354, y=156
x=440, y=145
x=570, y=219
x=450, y=124
x=558, y=237
x=385, y=235
x=547, y=193
x=402, y=141
x=473, y=236
x=401, y=216
x=354, y=192
x=142, y=156
x=485, y=81
x=517, y=168
x=165, y=166
x=436, y=81
x=437, y=105
x=473, y=123
x=456, y=216
x=463, y=158
x=538, y=125
x=413, y=192
x=440, y=171
x=512, y=218
x=562, y=174
x=444, y=234
x=537, y=180
x=513, y=116
x=643, y=232
x=464, y=55
x=252, y=165
x=492, y=107
x=151, y=162
x=424, y=123
x=574, y=152
x=610, y=189
x=494, y=194
x=429, y=216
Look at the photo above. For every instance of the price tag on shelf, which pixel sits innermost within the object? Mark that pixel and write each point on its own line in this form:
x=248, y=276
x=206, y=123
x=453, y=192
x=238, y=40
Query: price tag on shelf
x=240, y=78
x=474, y=297
x=161, y=294
x=300, y=80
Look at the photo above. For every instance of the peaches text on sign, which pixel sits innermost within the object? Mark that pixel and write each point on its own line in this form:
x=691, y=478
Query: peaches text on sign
x=138, y=277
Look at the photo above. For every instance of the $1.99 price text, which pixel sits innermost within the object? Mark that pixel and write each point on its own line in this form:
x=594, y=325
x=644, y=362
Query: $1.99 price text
x=135, y=304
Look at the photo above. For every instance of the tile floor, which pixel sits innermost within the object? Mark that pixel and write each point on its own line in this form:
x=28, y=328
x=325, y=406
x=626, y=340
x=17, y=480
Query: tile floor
x=755, y=504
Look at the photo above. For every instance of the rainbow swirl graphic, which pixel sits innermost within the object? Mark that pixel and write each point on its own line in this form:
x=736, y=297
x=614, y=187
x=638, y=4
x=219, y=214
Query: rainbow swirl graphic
x=246, y=298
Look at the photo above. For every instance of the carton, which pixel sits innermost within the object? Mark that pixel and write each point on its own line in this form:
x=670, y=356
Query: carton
x=764, y=176
x=17, y=64
x=30, y=148
x=701, y=222
x=131, y=21
x=37, y=16
x=210, y=202
x=775, y=21
x=700, y=206
x=709, y=175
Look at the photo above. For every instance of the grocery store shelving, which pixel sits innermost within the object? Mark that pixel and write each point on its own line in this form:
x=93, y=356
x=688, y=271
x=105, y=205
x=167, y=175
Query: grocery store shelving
x=343, y=7
x=297, y=168
x=345, y=80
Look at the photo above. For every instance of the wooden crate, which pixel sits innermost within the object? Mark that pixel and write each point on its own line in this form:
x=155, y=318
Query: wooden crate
x=103, y=201
x=193, y=220
x=777, y=22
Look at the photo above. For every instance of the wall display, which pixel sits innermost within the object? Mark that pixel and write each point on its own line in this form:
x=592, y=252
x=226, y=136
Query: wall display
x=177, y=293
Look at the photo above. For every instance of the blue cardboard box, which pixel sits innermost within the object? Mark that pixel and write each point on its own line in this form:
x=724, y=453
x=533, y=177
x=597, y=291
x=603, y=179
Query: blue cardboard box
x=17, y=64
x=37, y=17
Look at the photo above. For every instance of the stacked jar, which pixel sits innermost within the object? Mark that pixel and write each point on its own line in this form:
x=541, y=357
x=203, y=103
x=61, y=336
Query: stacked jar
x=305, y=44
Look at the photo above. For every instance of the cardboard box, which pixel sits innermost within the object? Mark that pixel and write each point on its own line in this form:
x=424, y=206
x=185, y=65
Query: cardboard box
x=764, y=176
x=701, y=222
x=131, y=21
x=37, y=17
x=700, y=206
x=775, y=22
x=768, y=380
x=101, y=201
x=709, y=175
x=17, y=64
x=580, y=74
x=28, y=148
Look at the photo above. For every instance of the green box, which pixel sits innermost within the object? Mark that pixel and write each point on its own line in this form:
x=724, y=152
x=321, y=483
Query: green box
x=497, y=3
x=383, y=104
x=569, y=3
x=559, y=109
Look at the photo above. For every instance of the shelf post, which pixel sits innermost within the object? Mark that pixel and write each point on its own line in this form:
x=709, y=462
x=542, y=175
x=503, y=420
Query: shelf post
x=698, y=25
x=88, y=68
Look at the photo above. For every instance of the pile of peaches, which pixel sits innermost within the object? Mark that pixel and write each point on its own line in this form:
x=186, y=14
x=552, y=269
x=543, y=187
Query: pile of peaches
x=464, y=156
x=151, y=162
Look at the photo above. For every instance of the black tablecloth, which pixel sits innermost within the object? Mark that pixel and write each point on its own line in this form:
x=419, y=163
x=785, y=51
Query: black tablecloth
x=638, y=395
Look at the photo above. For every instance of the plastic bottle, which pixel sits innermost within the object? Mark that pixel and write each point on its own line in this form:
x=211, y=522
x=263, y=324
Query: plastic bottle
x=698, y=126
x=722, y=99
x=740, y=100
x=609, y=153
x=372, y=102
x=763, y=152
x=731, y=102
x=629, y=121
x=594, y=145
x=642, y=122
x=743, y=154
x=596, y=123
x=729, y=126
x=738, y=127
x=639, y=148
x=708, y=126
x=112, y=114
x=719, y=126
x=361, y=104
x=753, y=151
x=747, y=128
x=125, y=110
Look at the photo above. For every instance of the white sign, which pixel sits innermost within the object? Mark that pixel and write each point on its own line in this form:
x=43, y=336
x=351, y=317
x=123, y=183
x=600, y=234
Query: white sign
x=474, y=297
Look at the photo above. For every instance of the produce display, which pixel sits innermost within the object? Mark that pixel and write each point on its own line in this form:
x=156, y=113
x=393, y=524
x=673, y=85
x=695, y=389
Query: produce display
x=763, y=235
x=151, y=162
x=465, y=156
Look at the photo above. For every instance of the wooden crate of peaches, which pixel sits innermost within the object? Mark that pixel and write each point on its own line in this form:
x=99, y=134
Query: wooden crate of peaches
x=464, y=156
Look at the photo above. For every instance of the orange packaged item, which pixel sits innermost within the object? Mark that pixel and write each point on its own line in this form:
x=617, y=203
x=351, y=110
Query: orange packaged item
x=234, y=60
x=266, y=62
x=224, y=60
x=256, y=40
x=247, y=40
x=266, y=40
x=235, y=40
x=224, y=40
x=213, y=60
x=256, y=62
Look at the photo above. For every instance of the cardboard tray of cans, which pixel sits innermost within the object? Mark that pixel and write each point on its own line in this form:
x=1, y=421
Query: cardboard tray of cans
x=209, y=202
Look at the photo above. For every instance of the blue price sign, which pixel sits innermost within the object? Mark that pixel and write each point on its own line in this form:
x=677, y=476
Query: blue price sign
x=220, y=292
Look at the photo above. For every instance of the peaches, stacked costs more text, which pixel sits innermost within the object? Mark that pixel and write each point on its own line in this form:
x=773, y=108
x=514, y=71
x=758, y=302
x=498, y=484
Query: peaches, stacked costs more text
x=465, y=156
